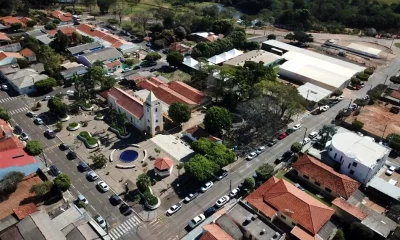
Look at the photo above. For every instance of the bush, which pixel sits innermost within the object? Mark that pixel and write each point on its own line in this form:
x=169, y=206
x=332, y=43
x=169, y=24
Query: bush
x=41, y=189
x=56, y=21
x=63, y=182
x=150, y=198
x=296, y=147
x=323, y=102
x=339, y=235
x=50, y=26
x=31, y=23
x=22, y=62
x=81, y=205
x=59, y=126
x=362, y=76
x=355, y=81
x=249, y=184
x=73, y=125
x=357, y=125
x=90, y=140
x=34, y=147
x=4, y=114
x=337, y=92
x=369, y=71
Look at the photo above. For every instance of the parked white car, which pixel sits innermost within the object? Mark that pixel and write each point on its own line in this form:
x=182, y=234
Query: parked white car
x=82, y=198
x=234, y=192
x=306, y=140
x=196, y=221
x=70, y=92
x=174, y=209
x=103, y=186
x=340, y=98
x=100, y=220
x=222, y=201
x=325, y=108
x=206, y=186
x=260, y=150
x=24, y=136
x=251, y=156
x=391, y=170
x=313, y=135
x=296, y=127
x=4, y=87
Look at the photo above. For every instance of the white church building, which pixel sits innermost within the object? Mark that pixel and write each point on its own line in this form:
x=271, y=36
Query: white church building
x=146, y=116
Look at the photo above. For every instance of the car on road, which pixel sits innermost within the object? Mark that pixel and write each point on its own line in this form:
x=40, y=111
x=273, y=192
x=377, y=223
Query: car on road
x=206, y=186
x=64, y=146
x=296, y=127
x=190, y=197
x=353, y=107
x=287, y=154
x=82, y=198
x=82, y=166
x=260, y=150
x=394, y=110
x=325, y=108
x=221, y=174
x=100, y=220
x=24, y=136
x=282, y=136
x=153, y=70
x=234, y=192
x=340, y=98
x=251, y=156
x=125, y=209
x=103, y=186
x=126, y=70
x=278, y=160
x=313, y=135
x=390, y=171
x=299, y=187
x=174, y=209
x=305, y=141
x=210, y=211
x=38, y=121
x=222, y=201
x=54, y=170
x=71, y=155
x=46, y=98
x=115, y=200
x=18, y=130
x=196, y=221
x=272, y=142
x=289, y=131
x=92, y=176
x=4, y=87
x=31, y=114
x=49, y=133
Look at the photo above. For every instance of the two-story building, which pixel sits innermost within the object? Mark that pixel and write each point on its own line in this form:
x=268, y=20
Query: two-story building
x=105, y=55
x=324, y=178
x=358, y=157
x=146, y=116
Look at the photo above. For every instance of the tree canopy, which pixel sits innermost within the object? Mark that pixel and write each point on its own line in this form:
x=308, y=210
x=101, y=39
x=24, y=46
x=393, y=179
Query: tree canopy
x=34, y=147
x=143, y=182
x=179, y=112
x=152, y=56
x=45, y=85
x=264, y=172
x=99, y=160
x=296, y=147
x=63, y=182
x=175, y=59
x=217, y=119
x=9, y=183
x=4, y=114
x=394, y=141
x=200, y=168
x=57, y=106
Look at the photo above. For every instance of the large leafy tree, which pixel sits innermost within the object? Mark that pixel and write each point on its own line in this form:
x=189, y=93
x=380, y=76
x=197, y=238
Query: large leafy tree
x=57, y=106
x=394, y=141
x=217, y=119
x=179, y=112
x=34, y=147
x=152, y=56
x=4, y=114
x=175, y=59
x=60, y=42
x=9, y=183
x=200, y=168
x=104, y=5
x=143, y=182
x=249, y=184
x=202, y=146
x=99, y=160
x=63, y=182
x=221, y=155
x=296, y=147
x=264, y=172
x=45, y=85
x=326, y=133
x=41, y=189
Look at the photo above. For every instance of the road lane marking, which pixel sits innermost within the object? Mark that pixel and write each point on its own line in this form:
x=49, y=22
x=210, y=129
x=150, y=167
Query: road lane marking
x=92, y=207
x=86, y=186
x=92, y=193
x=99, y=200
x=73, y=173
x=72, y=185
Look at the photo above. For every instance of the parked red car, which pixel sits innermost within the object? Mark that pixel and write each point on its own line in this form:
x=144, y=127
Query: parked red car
x=282, y=136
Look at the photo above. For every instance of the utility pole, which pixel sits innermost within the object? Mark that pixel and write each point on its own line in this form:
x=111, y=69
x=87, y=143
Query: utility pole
x=351, y=100
x=383, y=134
x=387, y=77
x=230, y=185
x=45, y=161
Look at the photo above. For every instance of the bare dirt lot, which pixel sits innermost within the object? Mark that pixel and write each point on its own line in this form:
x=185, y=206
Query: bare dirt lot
x=376, y=118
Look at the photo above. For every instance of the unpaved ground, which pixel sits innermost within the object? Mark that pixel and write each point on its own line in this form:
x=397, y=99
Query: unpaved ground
x=376, y=118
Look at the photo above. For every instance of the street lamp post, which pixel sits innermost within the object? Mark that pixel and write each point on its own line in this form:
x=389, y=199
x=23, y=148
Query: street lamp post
x=305, y=133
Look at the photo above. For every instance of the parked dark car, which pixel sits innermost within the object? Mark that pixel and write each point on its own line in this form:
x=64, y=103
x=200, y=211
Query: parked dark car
x=221, y=174
x=210, y=211
x=83, y=167
x=272, y=142
x=395, y=110
x=64, y=146
x=290, y=131
x=54, y=171
x=115, y=200
x=125, y=209
x=18, y=130
x=71, y=155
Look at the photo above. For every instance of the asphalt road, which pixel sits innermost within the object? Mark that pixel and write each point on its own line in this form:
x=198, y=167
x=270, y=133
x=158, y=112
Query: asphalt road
x=170, y=228
x=52, y=155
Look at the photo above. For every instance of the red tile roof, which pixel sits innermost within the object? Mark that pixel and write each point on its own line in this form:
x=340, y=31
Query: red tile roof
x=326, y=175
x=20, y=196
x=26, y=52
x=15, y=157
x=10, y=144
x=187, y=91
x=396, y=94
x=127, y=102
x=4, y=55
x=282, y=196
x=8, y=20
x=113, y=64
x=198, y=132
x=214, y=232
x=25, y=210
x=163, y=163
x=303, y=235
x=4, y=129
x=347, y=207
x=177, y=46
x=64, y=17
x=173, y=92
x=4, y=37
x=90, y=30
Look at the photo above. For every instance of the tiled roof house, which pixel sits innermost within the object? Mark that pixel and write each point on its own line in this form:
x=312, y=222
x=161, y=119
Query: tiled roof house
x=62, y=16
x=214, y=232
x=277, y=198
x=325, y=177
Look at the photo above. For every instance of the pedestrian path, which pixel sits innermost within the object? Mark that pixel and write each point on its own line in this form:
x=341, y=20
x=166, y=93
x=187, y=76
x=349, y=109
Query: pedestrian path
x=18, y=110
x=7, y=99
x=132, y=223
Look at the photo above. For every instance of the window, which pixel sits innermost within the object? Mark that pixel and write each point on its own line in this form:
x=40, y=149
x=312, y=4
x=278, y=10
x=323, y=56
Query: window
x=335, y=156
x=330, y=149
x=351, y=172
x=341, y=158
x=349, y=165
x=156, y=121
x=328, y=190
x=156, y=109
x=306, y=177
x=317, y=183
x=354, y=164
x=147, y=109
x=283, y=217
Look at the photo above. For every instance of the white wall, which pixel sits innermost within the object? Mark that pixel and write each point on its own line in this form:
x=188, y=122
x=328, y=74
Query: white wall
x=136, y=122
x=353, y=168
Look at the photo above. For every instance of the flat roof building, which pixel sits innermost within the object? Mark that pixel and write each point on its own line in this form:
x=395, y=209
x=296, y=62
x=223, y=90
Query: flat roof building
x=254, y=56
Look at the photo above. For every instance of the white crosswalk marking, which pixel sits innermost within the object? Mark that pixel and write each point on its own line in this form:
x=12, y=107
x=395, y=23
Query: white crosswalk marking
x=3, y=100
x=18, y=110
x=125, y=227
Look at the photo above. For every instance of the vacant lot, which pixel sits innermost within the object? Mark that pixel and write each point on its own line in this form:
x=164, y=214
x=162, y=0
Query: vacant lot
x=376, y=118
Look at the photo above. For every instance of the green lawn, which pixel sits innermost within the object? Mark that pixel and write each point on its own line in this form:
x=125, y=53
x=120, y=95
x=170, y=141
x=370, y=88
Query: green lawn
x=397, y=45
x=282, y=174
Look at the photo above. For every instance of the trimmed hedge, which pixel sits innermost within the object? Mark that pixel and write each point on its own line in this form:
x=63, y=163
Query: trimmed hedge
x=362, y=76
x=150, y=198
x=369, y=71
x=90, y=140
x=73, y=125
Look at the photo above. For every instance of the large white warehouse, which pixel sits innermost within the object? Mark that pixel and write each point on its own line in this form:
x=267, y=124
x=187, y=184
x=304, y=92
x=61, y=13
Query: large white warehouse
x=307, y=66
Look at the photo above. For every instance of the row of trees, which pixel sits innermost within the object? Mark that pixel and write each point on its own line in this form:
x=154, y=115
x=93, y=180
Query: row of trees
x=236, y=39
x=210, y=159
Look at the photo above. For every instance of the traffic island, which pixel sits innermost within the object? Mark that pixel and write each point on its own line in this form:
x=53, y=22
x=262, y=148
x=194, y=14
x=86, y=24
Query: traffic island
x=73, y=126
x=99, y=116
x=86, y=137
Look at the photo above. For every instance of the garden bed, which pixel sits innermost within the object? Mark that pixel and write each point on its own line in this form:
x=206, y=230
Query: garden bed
x=87, y=107
x=87, y=138
x=99, y=116
x=73, y=126
x=152, y=202
x=119, y=135
x=64, y=119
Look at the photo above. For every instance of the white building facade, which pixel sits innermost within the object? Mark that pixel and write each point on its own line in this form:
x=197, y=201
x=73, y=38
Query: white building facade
x=145, y=116
x=359, y=157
